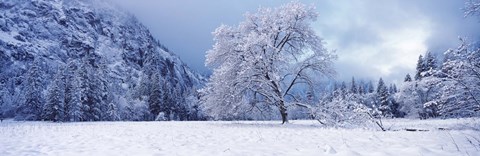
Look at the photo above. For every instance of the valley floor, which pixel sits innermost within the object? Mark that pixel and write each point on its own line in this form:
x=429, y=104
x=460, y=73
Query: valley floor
x=461, y=137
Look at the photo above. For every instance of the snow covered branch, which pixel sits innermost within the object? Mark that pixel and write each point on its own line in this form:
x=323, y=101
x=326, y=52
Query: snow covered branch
x=268, y=54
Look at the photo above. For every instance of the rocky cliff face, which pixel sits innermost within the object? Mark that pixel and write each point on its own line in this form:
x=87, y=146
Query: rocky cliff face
x=59, y=31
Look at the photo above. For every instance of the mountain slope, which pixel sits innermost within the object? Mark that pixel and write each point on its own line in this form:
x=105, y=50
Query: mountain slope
x=56, y=32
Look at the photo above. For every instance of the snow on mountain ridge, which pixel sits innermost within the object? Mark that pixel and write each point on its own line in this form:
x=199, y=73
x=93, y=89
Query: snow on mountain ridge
x=44, y=25
x=57, y=31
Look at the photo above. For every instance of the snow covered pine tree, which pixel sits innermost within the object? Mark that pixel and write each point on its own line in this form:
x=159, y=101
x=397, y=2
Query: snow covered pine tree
x=53, y=110
x=31, y=108
x=265, y=58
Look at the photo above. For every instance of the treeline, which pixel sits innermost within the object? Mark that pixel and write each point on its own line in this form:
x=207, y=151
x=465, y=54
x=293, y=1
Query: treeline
x=448, y=88
x=85, y=89
x=444, y=88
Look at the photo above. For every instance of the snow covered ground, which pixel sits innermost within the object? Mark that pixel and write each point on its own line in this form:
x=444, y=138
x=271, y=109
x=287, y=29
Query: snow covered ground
x=461, y=137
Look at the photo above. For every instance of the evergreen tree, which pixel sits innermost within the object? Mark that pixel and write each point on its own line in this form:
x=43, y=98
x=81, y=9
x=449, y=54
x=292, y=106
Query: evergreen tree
x=430, y=64
x=407, y=78
x=91, y=91
x=31, y=109
x=181, y=107
x=395, y=90
x=96, y=96
x=395, y=108
x=75, y=112
x=390, y=89
x=3, y=99
x=84, y=89
x=420, y=68
x=380, y=85
x=168, y=101
x=143, y=88
x=360, y=89
x=126, y=111
x=336, y=90
x=155, y=100
x=106, y=95
x=112, y=112
x=353, y=88
x=370, y=87
x=53, y=110
x=343, y=89
x=383, y=98
x=425, y=66
x=71, y=98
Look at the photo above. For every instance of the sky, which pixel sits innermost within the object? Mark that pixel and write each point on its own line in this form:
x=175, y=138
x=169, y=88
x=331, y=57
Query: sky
x=372, y=38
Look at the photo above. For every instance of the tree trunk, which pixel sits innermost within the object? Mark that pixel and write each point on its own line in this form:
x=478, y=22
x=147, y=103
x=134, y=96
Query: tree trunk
x=283, y=112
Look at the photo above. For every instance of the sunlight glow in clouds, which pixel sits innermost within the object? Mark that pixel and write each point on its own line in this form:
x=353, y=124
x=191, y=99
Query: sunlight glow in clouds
x=407, y=45
x=373, y=43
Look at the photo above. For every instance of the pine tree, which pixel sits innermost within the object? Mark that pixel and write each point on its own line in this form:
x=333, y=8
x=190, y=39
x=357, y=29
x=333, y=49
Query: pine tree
x=127, y=111
x=390, y=89
x=380, y=85
x=106, y=95
x=75, y=112
x=395, y=108
x=370, y=87
x=353, y=88
x=112, y=112
x=84, y=81
x=168, y=106
x=96, y=95
x=336, y=90
x=343, y=89
x=420, y=68
x=95, y=87
x=143, y=88
x=408, y=78
x=360, y=90
x=3, y=98
x=70, y=81
x=90, y=90
x=430, y=64
x=155, y=100
x=53, y=110
x=395, y=90
x=383, y=97
x=181, y=107
x=31, y=109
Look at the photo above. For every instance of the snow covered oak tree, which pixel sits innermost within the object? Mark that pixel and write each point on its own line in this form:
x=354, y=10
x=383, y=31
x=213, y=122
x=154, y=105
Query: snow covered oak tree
x=258, y=64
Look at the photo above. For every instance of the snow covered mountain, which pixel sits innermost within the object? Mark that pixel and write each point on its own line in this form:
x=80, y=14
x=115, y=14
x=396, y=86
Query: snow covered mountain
x=56, y=32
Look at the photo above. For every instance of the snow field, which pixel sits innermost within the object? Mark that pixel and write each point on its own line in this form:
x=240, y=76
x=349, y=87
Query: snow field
x=238, y=138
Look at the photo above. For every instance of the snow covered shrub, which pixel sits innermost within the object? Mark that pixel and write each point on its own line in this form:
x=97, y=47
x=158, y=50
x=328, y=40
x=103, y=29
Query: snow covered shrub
x=161, y=117
x=347, y=112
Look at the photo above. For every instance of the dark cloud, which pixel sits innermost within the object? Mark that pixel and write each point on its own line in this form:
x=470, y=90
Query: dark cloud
x=373, y=38
x=384, y=38
x=185, y=26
